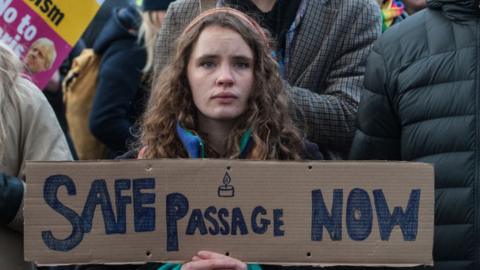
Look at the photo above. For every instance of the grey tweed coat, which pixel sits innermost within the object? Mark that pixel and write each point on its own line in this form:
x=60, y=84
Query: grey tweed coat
x=325, y=72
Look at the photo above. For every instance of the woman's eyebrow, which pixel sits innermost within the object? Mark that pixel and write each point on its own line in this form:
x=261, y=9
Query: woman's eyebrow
x=215, y=57
x=242, y=58
x=207, y=56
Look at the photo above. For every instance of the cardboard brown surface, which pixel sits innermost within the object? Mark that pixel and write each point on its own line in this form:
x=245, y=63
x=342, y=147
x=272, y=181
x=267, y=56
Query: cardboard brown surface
x=297, y=209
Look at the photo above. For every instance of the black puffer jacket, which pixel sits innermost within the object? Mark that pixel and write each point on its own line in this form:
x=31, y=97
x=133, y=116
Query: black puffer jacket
x=422, y=103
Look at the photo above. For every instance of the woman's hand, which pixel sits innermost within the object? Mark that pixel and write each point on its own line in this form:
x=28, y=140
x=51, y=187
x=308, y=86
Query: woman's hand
x=206, y=260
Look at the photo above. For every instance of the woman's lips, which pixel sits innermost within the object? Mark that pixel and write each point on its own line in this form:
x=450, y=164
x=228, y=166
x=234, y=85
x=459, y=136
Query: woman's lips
x=224, y=96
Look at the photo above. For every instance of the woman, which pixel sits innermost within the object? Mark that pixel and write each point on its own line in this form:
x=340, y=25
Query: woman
x=28, y=131
x=320, y=45
x=221, y=97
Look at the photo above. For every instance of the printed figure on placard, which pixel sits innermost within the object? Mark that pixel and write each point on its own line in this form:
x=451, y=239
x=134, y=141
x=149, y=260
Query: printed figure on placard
x=42, y=33
x=40, y=56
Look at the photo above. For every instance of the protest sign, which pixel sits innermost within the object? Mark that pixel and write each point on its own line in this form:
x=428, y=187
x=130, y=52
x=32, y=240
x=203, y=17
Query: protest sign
x=317, y=213
x=42, y=32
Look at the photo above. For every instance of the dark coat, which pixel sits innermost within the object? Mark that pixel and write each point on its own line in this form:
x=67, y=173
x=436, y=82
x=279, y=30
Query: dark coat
x=103, y=15
x=11, y=195
x=120, y=96
x=422, y=103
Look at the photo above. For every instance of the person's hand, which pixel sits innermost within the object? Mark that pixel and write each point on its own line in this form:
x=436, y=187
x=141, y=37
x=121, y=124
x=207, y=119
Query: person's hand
x=206, y=260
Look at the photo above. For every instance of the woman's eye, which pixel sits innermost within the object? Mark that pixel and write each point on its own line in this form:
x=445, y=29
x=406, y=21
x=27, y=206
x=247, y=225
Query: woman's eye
x=207, y=64
x=242, y=65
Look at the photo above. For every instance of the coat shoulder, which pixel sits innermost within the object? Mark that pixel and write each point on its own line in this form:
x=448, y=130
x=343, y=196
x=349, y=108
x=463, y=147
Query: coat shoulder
x=353, y=6
x=185, y=7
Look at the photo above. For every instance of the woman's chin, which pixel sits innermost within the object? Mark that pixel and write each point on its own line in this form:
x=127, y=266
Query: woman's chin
x=225, y=115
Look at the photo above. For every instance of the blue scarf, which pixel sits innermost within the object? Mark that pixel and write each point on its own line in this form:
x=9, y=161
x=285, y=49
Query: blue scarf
x=195, y=146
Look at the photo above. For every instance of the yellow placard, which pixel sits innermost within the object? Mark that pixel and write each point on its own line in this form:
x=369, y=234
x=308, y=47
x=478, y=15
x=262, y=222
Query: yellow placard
x=66, y=17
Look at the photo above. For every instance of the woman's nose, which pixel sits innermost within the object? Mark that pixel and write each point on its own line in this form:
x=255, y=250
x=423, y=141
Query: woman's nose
x=225, y=76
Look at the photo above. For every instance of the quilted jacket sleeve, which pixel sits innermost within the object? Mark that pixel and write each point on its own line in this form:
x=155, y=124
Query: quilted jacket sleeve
x=378, y=133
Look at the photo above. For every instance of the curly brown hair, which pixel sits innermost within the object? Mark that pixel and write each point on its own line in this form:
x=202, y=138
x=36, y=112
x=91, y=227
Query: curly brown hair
x=273, y=134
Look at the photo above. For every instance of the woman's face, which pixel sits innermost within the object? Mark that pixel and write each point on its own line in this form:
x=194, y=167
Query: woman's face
x=220, y=74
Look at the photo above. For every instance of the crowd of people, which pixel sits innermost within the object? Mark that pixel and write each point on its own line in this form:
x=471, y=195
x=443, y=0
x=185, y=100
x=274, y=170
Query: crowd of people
x=268, y=80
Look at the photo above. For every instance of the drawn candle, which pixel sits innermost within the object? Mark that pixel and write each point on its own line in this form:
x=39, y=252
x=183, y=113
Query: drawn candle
x=226, y=190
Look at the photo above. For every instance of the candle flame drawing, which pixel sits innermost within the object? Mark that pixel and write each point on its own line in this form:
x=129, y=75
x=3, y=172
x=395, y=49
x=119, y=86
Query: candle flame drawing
x=226, y=179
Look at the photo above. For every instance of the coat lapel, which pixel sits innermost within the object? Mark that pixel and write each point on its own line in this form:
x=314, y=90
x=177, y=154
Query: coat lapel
x=312, y=36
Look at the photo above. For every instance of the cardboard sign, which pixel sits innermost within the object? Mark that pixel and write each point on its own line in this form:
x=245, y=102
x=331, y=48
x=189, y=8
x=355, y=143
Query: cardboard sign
x=317, y=213
x=43, y=32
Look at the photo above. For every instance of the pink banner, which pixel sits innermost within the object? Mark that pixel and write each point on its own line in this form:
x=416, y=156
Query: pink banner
x=41, y=48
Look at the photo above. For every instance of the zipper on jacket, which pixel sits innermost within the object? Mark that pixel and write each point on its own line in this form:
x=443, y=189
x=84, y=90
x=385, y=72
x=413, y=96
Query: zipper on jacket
x=476, y=183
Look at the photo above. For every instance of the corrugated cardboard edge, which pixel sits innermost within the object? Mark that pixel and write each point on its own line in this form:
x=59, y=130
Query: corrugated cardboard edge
x=265, y=263
x=349, y=162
